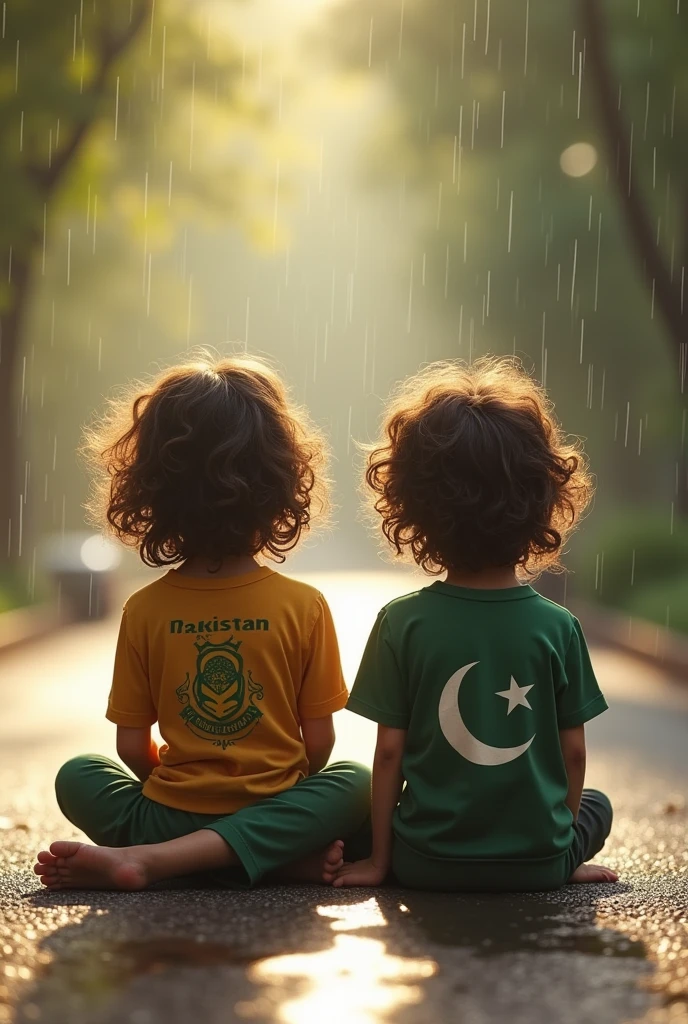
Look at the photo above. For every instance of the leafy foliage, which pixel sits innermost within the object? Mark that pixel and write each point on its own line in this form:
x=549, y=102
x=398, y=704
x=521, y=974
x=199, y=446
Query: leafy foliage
x=152, y=90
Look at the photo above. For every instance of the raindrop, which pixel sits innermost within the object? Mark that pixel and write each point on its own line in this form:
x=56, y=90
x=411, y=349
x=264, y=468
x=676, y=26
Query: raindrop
x=628, y=417
x=580, y=83
x=503, y=112
x=116, y=106
x=192, y=113
x=188, y=313
x=597, y=264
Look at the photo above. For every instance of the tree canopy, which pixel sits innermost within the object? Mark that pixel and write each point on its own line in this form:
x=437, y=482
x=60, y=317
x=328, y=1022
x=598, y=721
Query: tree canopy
x=113, y=116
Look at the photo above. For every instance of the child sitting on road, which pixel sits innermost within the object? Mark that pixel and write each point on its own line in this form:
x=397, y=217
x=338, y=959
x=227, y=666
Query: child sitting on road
x=480, y=687
x=237, y=664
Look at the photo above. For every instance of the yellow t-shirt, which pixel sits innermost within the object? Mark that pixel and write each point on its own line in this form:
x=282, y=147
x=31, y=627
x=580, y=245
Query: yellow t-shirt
x=228, y=668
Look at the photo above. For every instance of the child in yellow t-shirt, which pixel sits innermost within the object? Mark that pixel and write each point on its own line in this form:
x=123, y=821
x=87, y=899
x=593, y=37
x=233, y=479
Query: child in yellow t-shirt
x=237, y=664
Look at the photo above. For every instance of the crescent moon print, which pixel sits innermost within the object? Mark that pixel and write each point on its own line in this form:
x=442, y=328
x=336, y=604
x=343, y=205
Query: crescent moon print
x=459, y=736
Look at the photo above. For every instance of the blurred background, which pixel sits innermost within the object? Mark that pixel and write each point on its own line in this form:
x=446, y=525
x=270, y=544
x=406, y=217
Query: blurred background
x=352, y=189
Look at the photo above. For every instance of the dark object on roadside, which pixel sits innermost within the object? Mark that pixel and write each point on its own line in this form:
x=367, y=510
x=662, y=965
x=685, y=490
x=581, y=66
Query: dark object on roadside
x=82, y=567
x=674, y=805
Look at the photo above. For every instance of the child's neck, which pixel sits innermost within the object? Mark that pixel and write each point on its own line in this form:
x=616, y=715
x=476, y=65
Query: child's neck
x=496, y=578
x=234, y=565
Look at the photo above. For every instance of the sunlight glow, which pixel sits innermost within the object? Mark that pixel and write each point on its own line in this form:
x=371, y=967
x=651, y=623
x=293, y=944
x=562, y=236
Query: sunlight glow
x=351, y=916
x=354, y=980
x=578, y=160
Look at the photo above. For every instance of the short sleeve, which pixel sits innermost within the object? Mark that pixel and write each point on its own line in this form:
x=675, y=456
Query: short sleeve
x=379, y=692
x=323, y=690
x=130, y=702
x=579, y=697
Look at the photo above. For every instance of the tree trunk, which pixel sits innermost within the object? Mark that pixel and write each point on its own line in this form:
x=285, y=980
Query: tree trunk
x=11, y=479
x=46, y=180
x=666, y=287
x=653, y=265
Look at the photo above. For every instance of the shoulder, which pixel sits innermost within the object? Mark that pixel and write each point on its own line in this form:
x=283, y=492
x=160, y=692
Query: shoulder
x=294, y=589
x=146, y=598
x=304, y=600
x=396, y=614
x=557, y=618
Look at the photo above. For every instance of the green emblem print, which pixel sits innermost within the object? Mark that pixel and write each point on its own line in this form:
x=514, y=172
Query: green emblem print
x=220, y=704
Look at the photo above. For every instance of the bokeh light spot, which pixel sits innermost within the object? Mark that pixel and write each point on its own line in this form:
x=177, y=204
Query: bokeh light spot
x=578, y=160
x=99, y=554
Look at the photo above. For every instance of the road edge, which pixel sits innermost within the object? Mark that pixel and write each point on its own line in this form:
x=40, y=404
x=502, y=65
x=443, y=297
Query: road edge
x=646, y=641
x=22, y=626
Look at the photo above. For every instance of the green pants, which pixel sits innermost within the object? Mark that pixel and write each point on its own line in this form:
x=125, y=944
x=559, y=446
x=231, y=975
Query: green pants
x=104, y=801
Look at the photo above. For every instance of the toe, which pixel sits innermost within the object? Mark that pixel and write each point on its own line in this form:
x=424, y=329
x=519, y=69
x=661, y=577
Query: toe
x=64, y=848
x=45, y=869
x=44, y=857
x=334, y=854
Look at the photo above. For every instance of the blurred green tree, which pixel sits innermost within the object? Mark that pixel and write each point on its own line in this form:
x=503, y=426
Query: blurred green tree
x=545, y=149
x=103, y=106
x=660, y=53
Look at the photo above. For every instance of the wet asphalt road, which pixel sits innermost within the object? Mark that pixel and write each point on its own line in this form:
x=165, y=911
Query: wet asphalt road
x=305, y=955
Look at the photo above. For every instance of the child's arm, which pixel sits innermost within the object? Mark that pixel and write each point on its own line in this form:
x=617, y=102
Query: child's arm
x=573, y=750
x=318, y=736
x=387, y=785
x=138, y=750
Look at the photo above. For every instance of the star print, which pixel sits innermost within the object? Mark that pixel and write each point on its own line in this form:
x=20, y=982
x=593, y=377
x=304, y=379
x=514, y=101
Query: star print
x=515, y=695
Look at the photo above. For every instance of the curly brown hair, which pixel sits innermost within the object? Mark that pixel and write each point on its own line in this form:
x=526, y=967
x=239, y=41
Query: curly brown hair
x=473, y=470
x=210, y=460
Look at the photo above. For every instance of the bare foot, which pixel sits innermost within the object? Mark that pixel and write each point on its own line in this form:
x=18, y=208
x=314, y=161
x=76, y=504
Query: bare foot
x=319, y=867
x=72, y=865
x=360, y=872
x=593, y=873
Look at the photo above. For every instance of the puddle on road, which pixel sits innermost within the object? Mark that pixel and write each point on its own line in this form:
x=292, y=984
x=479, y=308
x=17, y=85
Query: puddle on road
x=364, y=971
x=100, y=968
x=491, y=927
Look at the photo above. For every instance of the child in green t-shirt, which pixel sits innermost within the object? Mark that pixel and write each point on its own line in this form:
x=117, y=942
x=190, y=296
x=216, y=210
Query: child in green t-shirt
x=480, y=686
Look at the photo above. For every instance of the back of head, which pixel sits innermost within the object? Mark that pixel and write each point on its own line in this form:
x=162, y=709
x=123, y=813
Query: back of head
x=211, y=460
x=473, y=471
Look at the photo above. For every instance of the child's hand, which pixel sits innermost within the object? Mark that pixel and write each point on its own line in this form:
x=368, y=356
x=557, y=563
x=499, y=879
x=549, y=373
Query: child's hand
x=360, y=872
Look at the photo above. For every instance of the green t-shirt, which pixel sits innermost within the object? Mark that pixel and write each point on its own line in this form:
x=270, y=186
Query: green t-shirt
x=482, y=680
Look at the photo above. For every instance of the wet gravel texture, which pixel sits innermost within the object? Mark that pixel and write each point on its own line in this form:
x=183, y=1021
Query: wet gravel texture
x=302, y=955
